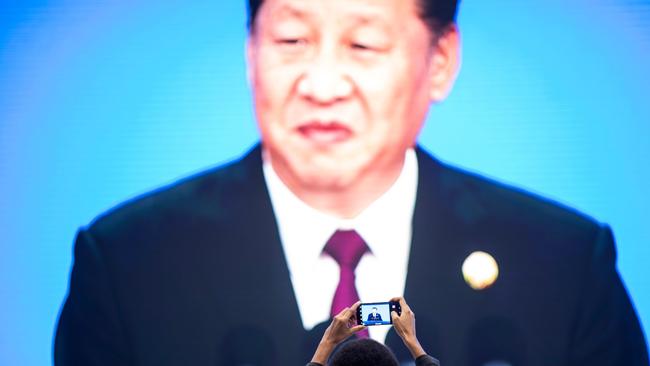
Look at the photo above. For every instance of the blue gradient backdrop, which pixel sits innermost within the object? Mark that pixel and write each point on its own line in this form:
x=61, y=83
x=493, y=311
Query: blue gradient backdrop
x=103, y=100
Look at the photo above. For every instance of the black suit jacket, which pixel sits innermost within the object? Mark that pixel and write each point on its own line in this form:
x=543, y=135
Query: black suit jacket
x=178, y=276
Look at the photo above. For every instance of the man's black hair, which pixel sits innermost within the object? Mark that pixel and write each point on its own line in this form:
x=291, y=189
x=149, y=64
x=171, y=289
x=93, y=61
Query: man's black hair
x=436, y=14
x=363, y=352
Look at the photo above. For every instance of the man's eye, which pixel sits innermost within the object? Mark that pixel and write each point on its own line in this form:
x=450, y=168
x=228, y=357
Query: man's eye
x=364, y=47
x=291, y=41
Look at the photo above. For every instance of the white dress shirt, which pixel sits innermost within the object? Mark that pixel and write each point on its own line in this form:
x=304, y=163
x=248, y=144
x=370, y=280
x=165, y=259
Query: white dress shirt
x=385, y=226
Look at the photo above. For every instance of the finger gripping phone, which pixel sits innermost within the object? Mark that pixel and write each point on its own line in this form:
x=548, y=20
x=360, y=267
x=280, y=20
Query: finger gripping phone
x=377, y=313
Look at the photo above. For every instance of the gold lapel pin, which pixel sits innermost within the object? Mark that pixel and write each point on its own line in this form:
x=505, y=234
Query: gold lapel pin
x=480, y=270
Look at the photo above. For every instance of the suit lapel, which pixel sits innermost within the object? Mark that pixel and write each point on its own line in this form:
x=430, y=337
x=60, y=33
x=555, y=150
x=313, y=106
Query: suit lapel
x=271, y=305
x=434, y=283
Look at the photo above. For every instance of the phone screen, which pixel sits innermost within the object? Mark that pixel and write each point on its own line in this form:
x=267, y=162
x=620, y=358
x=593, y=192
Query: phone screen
x=375, y=313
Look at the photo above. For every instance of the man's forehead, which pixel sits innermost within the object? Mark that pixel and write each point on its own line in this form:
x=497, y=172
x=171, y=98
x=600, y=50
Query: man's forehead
x=360, y=10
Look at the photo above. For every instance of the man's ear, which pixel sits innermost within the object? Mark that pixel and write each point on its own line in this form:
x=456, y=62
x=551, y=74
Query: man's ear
x=445, y=64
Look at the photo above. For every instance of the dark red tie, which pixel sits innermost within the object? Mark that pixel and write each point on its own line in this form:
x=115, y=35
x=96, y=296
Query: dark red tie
x=347, y=248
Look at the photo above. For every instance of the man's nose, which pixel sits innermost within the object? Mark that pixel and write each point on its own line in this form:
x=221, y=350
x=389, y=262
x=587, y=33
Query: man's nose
x=324, y=80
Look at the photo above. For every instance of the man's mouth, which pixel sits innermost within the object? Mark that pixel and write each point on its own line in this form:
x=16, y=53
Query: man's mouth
x=325, y=132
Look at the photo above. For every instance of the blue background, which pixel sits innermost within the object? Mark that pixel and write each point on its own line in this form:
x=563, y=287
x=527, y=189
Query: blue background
x=103, y=100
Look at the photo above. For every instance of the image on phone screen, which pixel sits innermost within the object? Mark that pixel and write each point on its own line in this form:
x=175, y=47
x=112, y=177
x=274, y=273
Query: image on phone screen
x=376, y=313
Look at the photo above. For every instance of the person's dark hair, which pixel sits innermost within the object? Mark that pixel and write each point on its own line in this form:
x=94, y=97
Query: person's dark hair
x=363, y=352
x=437, y=14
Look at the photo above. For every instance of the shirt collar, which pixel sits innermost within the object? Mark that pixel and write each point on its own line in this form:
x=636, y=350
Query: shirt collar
x=306, y=230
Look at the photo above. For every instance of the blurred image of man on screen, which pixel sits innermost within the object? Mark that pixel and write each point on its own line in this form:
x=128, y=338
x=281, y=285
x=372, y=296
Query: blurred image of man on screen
x=374, y=316
x=339, y=203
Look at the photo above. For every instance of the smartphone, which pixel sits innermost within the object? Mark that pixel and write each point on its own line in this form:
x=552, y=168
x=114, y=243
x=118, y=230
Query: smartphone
x=377, y=313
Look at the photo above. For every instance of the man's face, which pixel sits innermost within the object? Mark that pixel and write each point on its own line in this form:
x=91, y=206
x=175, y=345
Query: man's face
x=342, y=87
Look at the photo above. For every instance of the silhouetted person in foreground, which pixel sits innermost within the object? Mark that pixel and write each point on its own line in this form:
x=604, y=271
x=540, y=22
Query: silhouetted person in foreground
x=368, y=352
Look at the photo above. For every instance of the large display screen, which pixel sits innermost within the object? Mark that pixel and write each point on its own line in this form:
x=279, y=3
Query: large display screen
x=103, y=101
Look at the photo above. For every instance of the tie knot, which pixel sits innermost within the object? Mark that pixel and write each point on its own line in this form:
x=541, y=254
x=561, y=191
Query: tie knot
x=346, y=247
